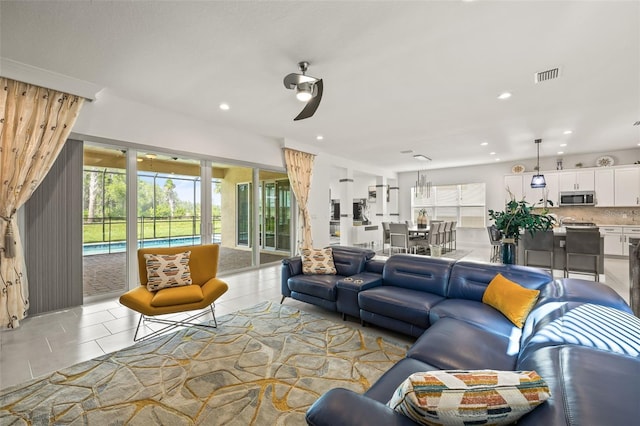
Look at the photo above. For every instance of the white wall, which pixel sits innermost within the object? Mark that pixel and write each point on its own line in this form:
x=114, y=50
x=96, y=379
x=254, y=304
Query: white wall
x=113, y=119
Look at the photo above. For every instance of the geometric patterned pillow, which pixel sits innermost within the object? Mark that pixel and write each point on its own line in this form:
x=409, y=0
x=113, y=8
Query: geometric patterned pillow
x=167, y=270
x=478, y=397
x=318, y=261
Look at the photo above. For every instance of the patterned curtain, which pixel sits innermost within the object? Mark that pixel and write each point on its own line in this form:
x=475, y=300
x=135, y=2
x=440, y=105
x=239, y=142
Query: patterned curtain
x=299, y=168
x=34, y=126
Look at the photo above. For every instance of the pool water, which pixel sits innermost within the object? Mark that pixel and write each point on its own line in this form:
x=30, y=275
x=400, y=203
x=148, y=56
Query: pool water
x=121, y=246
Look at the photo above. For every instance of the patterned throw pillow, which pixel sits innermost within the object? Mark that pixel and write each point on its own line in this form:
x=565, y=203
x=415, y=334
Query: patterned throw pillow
x=478, y=397
x=167, y=270
x=318, y=261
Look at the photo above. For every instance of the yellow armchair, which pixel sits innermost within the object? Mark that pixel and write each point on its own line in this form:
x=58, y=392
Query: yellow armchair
x=201, y=294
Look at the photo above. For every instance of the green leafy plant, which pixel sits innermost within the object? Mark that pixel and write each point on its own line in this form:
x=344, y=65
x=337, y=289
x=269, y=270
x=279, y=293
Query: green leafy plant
x=521, y=215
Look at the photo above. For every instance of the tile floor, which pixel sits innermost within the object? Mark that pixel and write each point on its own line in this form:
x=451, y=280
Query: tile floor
x=49, y=342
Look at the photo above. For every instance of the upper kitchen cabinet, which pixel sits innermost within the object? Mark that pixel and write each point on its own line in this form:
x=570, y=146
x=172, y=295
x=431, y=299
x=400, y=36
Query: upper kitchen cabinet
x=604, y=187
x=627, y=187
x=576, y=180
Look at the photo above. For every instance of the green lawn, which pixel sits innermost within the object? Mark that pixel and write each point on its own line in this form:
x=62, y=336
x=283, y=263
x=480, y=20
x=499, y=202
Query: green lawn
x=116, y=230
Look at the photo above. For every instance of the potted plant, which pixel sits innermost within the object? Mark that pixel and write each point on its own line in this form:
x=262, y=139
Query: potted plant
x=519, y=216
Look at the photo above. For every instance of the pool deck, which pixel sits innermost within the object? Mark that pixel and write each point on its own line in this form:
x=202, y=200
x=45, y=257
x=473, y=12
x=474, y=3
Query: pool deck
x=106, y=273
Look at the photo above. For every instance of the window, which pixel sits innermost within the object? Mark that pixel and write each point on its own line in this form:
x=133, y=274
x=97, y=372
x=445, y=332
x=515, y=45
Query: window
x=464, y=203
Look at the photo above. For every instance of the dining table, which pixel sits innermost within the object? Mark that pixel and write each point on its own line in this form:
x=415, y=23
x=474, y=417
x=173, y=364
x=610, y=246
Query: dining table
x=414, y=230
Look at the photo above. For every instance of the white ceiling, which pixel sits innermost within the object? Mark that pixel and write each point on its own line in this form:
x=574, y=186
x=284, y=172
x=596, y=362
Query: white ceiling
x=421, y=76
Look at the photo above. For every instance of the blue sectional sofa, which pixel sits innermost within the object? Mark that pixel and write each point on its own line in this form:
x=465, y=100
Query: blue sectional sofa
x=580, y=336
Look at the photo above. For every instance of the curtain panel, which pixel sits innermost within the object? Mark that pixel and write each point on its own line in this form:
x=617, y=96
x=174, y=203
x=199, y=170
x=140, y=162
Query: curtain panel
x=299, y=169
x=35, y=124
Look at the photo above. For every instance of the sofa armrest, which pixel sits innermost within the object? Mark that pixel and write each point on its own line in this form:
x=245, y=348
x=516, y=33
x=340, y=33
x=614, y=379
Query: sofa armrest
x=360, y=282
x=291, y=266
x=344, y=407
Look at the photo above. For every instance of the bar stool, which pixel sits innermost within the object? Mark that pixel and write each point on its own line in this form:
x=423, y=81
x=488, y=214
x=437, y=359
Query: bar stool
x=542, y=242
x=452, y=231
x=583, y=243
x=495, y=236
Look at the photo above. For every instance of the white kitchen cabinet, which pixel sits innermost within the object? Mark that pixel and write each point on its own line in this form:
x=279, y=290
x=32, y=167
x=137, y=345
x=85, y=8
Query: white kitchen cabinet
x=627, y=187
x=613, y=240
x=604, y=187
x=628, y=232
x=616, y=239
x=579, y=180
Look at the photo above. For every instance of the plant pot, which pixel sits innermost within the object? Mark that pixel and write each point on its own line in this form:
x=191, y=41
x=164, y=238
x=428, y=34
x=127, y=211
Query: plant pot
x=508, y=251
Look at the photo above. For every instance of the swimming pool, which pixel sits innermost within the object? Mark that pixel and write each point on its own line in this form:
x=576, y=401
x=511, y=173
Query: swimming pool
x=121, y=246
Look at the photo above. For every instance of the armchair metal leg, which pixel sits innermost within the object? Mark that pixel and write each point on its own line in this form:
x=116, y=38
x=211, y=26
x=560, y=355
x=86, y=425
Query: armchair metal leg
x=171, y=324
x=282, y=300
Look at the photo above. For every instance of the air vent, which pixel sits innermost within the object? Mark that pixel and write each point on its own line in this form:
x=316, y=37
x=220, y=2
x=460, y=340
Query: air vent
x=547, y=75
x=637, y=123
x=406, y=151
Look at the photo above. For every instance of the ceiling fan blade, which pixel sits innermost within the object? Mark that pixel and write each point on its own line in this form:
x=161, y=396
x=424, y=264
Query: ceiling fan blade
x=313, y=104
x=292, y=80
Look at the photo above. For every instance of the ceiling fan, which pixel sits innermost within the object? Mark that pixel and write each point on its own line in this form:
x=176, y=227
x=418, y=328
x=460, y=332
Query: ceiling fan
x=308, y=89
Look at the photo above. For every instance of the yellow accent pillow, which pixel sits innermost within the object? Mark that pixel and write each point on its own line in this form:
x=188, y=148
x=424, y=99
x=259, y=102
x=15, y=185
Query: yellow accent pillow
x=514, y=301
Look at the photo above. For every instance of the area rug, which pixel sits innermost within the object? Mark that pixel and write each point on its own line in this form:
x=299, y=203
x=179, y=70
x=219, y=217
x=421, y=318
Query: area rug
x=262, y=366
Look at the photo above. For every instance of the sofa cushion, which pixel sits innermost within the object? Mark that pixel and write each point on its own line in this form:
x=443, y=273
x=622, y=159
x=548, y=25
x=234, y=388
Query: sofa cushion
x=589, y=325
x=167, y=270
x=588, y=387
x=511, y=299
x=577, y=290
x=455, y=397
x=476, y=313
x=470, y=279
x=451, y=344
x=410, y=306
x=177, y=296
x=420, y=273
x=317, y=261
x=322, y=286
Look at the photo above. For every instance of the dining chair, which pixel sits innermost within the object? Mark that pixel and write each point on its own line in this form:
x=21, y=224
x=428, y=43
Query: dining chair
x=453, y=233
x=494, y=238
x=399, y=238
x=446, y=236
x=385, y=235
x=584, y=243
x=433, y=237
x=540, y=242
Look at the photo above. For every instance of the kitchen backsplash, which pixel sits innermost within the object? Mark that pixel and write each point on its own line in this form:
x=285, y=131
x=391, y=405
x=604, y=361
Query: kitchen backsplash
x=600, y=215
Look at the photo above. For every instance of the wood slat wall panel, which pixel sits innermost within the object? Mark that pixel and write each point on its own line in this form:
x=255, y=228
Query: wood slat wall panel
x=53, y=241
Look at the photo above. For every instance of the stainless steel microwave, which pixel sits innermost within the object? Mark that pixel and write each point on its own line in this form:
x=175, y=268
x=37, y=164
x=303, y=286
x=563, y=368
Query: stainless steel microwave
x=578, y=198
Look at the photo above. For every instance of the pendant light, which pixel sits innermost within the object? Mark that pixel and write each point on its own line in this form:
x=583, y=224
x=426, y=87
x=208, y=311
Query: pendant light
x=423, y=186
x=537, y=181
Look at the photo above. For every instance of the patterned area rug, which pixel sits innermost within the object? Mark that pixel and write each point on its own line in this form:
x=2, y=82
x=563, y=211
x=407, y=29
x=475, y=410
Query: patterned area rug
x=262, y=366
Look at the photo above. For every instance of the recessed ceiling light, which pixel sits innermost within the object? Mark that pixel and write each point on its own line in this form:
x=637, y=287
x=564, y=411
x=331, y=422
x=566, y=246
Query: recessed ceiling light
x=497, y=159
x=319, y=137
x=560, y=152
x=505, y=95
x=492, y=153
x=567, y=132
x=563, y=144
x=484, y=144
x=224, y=106
x=421, y=157
x=140, y=159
